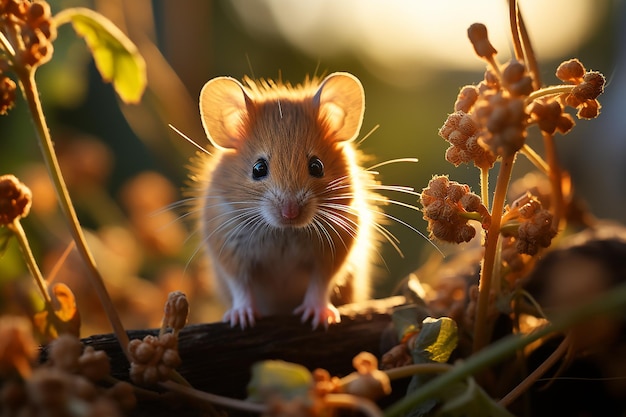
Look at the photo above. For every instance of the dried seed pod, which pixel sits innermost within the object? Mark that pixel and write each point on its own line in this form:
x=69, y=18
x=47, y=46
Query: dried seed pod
x=477, y=34
x=15, y=199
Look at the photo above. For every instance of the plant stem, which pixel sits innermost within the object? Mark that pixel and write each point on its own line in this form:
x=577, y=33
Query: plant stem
x=418, y=368
x=535, y=159
x=29, y=87
x=549, y=91
x=232, y=403
x=529, y=54
x=517, y=44
x=481, y=333
x=484, y=186
x=22, y=240
x=536, y=374
x=613, y=301
x=556, y=178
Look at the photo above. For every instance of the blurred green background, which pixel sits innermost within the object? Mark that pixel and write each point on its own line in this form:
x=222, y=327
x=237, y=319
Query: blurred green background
x=105, y=145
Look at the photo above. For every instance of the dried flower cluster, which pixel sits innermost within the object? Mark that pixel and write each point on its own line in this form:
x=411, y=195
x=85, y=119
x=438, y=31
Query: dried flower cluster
x=462, y=132
x=153, y=359
x=29, y=28
x=64, y=385
x=496, y=113
x=588, y=86
x=176, y=311
x=7, y=93
x=447, y=207
x=28, y=32
x=532, y=225
x=15, y=199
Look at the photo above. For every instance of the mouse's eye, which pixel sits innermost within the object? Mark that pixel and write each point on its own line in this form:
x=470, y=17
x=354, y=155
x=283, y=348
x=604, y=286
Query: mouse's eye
x=259, y=169
x=316, y=167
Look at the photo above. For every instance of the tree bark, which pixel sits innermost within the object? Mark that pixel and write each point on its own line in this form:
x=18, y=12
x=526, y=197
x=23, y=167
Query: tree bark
x=217, y=358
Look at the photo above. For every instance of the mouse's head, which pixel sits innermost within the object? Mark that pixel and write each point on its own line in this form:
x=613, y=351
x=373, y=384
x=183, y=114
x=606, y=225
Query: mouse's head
x=286, y=150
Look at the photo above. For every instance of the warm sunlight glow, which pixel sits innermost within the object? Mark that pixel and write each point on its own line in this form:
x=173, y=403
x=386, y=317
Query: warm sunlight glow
x=413, y=38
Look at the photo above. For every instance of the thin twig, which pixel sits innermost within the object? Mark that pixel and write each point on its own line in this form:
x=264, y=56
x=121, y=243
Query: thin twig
x=529, y=53
x=22, y=240
x=556, y=180
x=214, y=399
x=537, y=373
x=29, y=87
x=517, y=44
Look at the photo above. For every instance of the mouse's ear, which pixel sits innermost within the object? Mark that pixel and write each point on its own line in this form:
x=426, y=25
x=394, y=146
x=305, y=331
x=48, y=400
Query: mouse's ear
x=223, y=108
x=341, y=102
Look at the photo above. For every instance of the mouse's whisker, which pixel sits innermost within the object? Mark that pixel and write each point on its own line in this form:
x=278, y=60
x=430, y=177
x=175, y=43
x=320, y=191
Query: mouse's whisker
x=389, y=162
x=383, y=231
x=347, y=224
x=323, y=235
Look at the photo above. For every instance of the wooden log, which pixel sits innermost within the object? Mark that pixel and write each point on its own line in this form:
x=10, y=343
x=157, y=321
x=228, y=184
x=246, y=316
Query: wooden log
x=217, y=358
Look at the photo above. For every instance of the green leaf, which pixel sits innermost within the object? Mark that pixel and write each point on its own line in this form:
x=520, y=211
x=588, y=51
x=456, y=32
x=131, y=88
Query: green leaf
x=288, y=380
x=435, y=342
x=467, y=399
x=437, y=339
x=116, y=57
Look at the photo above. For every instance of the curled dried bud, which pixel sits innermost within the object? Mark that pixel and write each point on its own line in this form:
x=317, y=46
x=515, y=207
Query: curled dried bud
x=368, y=381
x=466, y=98
x=589, y=110
x=477, y=34
x=591, y=87
x=7, y=94
x=571, y=71
x=516, y=79
x=534, y=225
x=550, y=116
x=15, y=199
x=176, y=310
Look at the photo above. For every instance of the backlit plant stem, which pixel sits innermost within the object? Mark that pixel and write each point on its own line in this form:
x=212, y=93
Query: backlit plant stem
x=535, y=159
x=556, y=176
x=16, y=228
x=484, y=186
x=481, y=327
x=27, y=80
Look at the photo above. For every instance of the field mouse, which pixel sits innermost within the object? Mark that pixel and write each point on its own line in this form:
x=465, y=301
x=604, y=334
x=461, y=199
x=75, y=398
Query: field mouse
x=287, y=214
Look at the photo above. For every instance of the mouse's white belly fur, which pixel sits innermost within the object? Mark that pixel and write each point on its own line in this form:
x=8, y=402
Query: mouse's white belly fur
x=277, y=266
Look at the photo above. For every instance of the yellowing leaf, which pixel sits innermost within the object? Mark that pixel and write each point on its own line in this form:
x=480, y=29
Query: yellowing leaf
x=63, y=319
x=436, y=341
x=276, y=377
x=116, y=57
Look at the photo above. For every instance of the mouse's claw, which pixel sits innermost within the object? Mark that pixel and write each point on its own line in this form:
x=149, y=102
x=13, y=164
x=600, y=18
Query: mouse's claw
x=325, y=314
x=244, y=316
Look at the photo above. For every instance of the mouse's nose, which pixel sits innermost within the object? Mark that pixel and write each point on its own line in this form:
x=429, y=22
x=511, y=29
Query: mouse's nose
x=290, y=210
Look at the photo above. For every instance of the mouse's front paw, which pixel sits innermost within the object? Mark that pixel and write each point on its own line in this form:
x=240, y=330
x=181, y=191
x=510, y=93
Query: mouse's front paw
x=243, y=316
x=325, y=314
